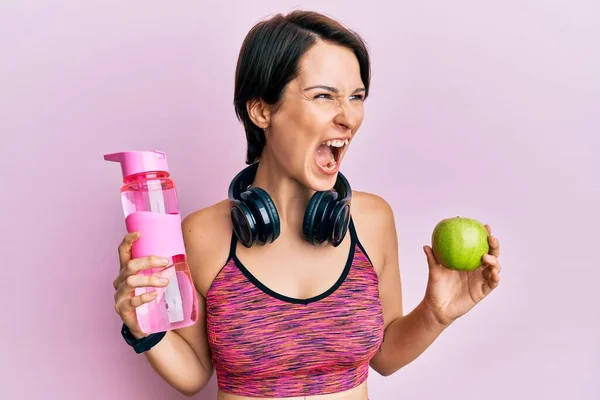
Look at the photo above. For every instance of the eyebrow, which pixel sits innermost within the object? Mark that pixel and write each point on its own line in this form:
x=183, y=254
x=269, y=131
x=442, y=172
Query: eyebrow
x=332, y=89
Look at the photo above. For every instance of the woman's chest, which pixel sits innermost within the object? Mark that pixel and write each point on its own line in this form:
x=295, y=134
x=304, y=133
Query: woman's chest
x=337, y=330
x=248, y=323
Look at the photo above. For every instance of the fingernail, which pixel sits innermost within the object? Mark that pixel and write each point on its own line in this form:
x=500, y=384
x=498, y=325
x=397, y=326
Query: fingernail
x=164, y=281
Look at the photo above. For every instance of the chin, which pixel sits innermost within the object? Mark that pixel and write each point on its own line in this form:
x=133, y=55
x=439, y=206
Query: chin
x=324, y=184
x=319, y=181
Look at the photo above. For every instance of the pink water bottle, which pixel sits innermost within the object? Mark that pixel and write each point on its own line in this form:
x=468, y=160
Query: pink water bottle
x=151, y=207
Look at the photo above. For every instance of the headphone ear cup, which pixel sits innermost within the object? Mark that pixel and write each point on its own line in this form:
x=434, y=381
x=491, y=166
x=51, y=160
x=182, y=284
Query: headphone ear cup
x=267, y=218
x=244, y=223
x=315, y=224
x=309, y=216
x=338, y=223
x=271, y=210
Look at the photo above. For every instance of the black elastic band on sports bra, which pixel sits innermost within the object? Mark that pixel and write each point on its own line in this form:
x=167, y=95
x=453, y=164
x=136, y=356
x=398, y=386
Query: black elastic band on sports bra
x=232, y=245
x=356, y=240
x=352, y=229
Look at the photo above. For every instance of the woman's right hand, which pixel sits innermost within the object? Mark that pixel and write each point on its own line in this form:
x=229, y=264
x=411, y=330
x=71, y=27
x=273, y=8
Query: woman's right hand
x=129, y=279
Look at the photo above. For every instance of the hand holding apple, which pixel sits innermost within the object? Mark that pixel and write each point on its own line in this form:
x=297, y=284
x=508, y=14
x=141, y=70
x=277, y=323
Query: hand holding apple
x=463, y=267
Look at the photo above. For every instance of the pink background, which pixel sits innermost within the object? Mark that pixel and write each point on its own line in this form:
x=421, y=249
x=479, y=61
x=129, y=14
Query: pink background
x=489, y=111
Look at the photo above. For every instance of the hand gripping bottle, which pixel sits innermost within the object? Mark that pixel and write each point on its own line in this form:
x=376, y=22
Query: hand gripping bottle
x=151, y=207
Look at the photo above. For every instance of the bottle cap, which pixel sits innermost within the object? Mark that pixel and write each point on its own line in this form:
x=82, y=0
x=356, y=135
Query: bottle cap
x=135, y=162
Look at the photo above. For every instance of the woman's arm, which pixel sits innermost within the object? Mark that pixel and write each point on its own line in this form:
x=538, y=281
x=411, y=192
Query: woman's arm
x=183, y=358
x=406, y=336
x=448, y=296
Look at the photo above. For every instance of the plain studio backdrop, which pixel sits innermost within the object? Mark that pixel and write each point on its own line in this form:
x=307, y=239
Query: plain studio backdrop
x=489, y=110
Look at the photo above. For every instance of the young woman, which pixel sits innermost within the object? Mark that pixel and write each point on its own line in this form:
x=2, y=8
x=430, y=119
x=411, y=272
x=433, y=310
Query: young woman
x=297, y=274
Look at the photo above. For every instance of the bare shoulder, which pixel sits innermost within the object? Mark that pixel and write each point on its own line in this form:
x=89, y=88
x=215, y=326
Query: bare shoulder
x=371, y=204
x=375, y=225
x=372, y=212
x=207, y=236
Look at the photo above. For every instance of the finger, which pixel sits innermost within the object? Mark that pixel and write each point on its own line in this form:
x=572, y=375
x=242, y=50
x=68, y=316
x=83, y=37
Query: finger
x=137, y=265
x=431, y=260
x=486, y=274
x=491, y=280
x=143, y=298
x=488, y=229
x=492, y=262
x=125, y=305
x=495, y=275
x=131, y=282
x=494, y=246
x=494, y=279
x=135, y=281
x=127, y=287
x=125, y=248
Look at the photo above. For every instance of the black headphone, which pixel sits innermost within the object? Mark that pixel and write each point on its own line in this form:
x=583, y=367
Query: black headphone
x=256, y=221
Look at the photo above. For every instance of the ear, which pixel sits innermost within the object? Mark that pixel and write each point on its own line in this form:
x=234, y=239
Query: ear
x=259, y=112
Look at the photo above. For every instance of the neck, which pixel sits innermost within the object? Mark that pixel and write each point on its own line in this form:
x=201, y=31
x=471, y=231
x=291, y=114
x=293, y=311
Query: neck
x=289, y=195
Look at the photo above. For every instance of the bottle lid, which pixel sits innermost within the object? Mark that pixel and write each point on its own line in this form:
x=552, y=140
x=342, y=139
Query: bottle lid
x=135, y=162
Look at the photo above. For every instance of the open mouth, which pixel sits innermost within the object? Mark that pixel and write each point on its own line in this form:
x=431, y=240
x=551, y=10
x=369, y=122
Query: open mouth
x=330, y=152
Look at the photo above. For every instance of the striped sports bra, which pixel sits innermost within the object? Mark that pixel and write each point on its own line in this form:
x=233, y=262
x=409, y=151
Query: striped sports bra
x=265, y=344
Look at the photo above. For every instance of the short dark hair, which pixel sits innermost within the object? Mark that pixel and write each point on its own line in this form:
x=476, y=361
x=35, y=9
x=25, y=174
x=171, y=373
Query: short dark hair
x=269, y=58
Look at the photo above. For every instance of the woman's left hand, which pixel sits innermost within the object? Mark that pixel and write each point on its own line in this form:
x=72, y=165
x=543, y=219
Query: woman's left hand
x=451, y=294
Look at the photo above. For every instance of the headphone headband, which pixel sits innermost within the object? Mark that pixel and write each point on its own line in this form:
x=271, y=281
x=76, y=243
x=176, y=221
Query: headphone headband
x=241, y=181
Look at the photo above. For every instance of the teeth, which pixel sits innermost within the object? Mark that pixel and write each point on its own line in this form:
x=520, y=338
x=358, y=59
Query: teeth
x=336, y=142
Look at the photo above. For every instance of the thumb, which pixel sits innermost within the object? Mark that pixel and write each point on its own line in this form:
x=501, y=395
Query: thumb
x=431, y=260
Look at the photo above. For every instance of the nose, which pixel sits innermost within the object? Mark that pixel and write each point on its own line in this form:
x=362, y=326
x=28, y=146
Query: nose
x=346, y=117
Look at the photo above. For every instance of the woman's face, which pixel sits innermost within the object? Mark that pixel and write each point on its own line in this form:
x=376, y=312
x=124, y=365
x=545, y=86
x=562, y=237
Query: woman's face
x=321, y=111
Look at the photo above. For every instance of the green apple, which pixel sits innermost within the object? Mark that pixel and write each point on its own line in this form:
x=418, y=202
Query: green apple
x=459, y=243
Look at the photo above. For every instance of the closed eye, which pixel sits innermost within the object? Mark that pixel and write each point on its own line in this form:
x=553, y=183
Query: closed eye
x=359, y=97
